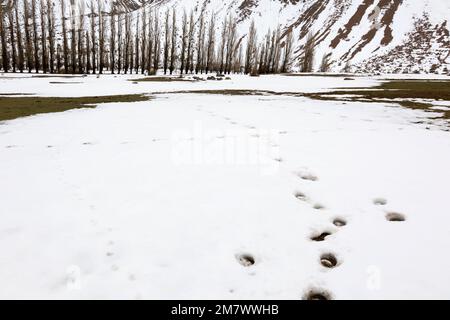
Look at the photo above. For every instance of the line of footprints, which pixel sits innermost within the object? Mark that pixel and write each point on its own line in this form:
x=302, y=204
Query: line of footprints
x=328, y=259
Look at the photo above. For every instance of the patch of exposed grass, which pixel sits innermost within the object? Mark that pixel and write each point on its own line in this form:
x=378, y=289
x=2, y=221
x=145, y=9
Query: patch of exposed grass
x=407, y=90
x=161, y=79
x=16, y=107
x=236, y=92
x=64, y=82
x=328, y=75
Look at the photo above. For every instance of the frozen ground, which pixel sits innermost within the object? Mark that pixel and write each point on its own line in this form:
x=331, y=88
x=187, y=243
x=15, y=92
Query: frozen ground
x=158, y=199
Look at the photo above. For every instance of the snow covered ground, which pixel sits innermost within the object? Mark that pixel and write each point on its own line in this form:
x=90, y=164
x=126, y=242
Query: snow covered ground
x=159, y=199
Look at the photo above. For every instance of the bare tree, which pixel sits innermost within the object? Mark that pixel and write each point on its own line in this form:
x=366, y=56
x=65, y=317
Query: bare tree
x=127, y=42
x=65, y=41
x=101, y=36
x=200, y=44
x=325, y=64
x=112, y=39
x=190, y=42
x=73, y=32
x=149, y=65
x=173, y=42
x=12, y=38
x=80, y=36
x=166, y=42
x=88, y=52
x=307, y=62
x=276, y=51
x=58, y=58
x=251, y=48
x=287, y=52
x=119, y=42
x=136, y=44
x=35, y=35
x=223, y=46
x=5, y=60
x=210, y=44
x=157, y=44
x=20, y=51
x=28, y=36
x=93, y=38
x=51, y=33
x=184, y=31
x=231, y=49
x=44, y=55
x=143, y=40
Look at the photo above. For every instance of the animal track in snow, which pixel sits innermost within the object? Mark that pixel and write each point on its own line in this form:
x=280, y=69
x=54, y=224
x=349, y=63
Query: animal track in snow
x=300, y=196
x=317, y=294
x=395, y=217
x=319, y=206
x=245, y=259
x=321, y=236
x=307, y=176
x=339, y=222
x=379, y=201
x=328, y=260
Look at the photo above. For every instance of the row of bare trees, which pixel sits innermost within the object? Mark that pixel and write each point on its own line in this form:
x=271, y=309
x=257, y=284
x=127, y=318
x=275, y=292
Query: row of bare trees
x=66, y=37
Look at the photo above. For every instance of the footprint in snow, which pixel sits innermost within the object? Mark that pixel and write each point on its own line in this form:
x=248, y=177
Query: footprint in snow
x=328, y=260
x=300, y=196
x=320, y=236
x=317, y=294
x=307, y=176
x=319, y=206
x=379, y=201
x=395, y=217
x=339, y=222
x=245, y=259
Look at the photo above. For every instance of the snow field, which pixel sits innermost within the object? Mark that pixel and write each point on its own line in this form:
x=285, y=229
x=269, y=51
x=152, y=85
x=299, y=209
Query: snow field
x=198, y=196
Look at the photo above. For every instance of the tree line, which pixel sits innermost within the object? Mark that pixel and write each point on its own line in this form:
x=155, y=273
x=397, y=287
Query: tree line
x=65, y=36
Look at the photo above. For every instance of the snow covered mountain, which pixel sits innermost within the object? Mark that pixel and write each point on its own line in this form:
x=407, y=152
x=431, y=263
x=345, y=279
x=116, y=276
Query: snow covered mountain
x=370, y=35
